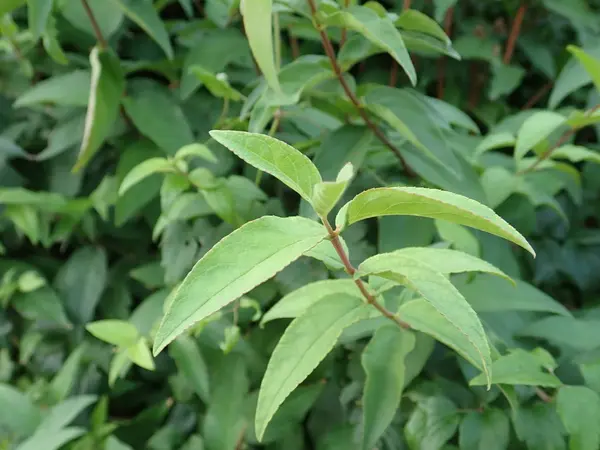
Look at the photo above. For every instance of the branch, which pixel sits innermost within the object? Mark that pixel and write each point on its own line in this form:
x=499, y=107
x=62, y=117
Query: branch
x=514, y=34
x=350, y=270
x=538, y=96
x=351, y=96
x=406, y=4
x=95, y=26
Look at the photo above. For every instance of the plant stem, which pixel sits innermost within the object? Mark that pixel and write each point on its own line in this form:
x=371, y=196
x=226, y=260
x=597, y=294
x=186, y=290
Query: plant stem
x=277, y=32
x=394, y=74
x=514, y=33
x=350, y=270
x=344, y=31
x=441, y=84
x=99, y=37
x=538, y=96
x=352, y=97
x=563, y=139
x=406, y=4
x=543, y=395
x=294, y=44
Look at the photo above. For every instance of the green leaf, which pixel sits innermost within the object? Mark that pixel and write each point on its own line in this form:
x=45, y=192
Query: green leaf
x=216, y=84
x=589, y=63
x=51, y=439
x=38, y=13
x=190, y=363
x=325, y=252
x=64, y=413
x=572, y=77
x=140, y=354
x=107, y=86
x=9, y=6
x=259, y=30
x=199, y=150
x=64, y=380
x=436, y=289
x=108, y=17
x=422, y=34
x=24, y=416
x=494, y=141
x=435, y=204
x=506, y=79
x=144, y=170
x=575, y=154
x=69, y=89
x=379, y=30
x=566, y=331
x=518, y=367
x=115, y=332
x=52, y=44
x=539, y=426
x=458, y=237
x=432, y=423
x=535, y=129
x=42, y=305
x=274, y=157
x=326, y=194
x=241, y=261
x=146, y=17
x=384, y=363
x=489, y=430
x=311, y=336
x=299, y=301
x=579, y=410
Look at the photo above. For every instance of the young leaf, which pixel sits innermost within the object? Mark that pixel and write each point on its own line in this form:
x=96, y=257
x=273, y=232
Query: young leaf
x=216, y=84
x=579, y=410
x=297, y=302
x=379, y=30
x=108, y=83
x=384, y=363
x=140, y=354
x=305, y=343
x=432, y=203
x=589, y=63
x=38, y=13
x=257, y=15
x=250, y=255
x=115, y=332
x=518, y=367
x=191, y=364
x=144, y=170
x=199, y=150
x=326, y=194
x=436, y=289
x=535, y=129
x=274, y=157
x=146, y=17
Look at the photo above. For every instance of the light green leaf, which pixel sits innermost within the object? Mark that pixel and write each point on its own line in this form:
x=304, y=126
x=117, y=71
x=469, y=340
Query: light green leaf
x=259, y=30
x=191, y=364
x=217, y=84
x=274, y=157
x=24, y=416
x=64, y=413
x=435, y=204
x=489, y=430
x=326, y=194
x=64, y=380
x=325, y=252
x=579, y=410
x=436, y=289
x=115, y=332
x=572, y=77
x=140, y=354
x=384, y=363
x=69, y=89
x=38, y=13
x=144, y=170
x=575, y=154
x=9, y=6
x=304, y=344
x=199, y=150
x=107, y=86
x=432, y=423
x=422, y=34
x=535, y=129
x=379, y=30
x=146, y=17
x=51, y=440
x=494, y=141
x=250, y=255
x=52, y=44
x=299, y=301
x=458, y=236
x=589, y=63
x=518, y=367
x=119, y=366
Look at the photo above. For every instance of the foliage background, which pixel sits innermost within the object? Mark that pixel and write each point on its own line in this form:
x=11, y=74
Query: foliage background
x=74, y=251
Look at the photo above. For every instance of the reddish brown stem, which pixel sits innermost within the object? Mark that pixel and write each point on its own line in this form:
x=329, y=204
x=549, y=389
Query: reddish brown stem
x=294, y=45
x=448, y=19
x=394, y=74
x=538, y=96
x=330, y=52
x=350, y=270
x=344, y=31
x=543, y=395
x=514, y=34
x=99, y=37
x=476, y=84
x=406, y=4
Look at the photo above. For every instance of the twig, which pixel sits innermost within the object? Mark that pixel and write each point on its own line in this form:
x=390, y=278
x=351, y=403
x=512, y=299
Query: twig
x=514, y=33
x=542, y=395
x=344, y=31
x=394, y=73
x=406, y=4
x=352, y=97
x=448, y=19
x=350, y=270
x=99, y=37
x=538, y=96
x=294, y=44
x=563, y=139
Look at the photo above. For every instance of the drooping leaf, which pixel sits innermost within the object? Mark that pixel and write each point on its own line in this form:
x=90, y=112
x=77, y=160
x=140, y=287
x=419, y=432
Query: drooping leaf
x=107, y=85
x=535, y=129
x=144, y=170
x=436, y=289
x=384, y=363
x=579, y=411
x=273, y=156
x=69, y=89
x=257, y=15
x=379, y=30
x=190, y=362
x=116, y=332
x=244, y=259
x=144, y=15
x=487, y=430
x=305, y=343
x=435, y=204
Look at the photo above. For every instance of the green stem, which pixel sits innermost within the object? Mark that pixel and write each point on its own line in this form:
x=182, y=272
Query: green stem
x=277, y=32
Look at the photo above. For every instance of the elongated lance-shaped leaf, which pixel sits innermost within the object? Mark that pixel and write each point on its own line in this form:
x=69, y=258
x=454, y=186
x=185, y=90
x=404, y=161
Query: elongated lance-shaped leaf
x=437, y=290
x=239, y=262
x=258, y=25
x=384, y=363
x=144, y=170
x=432, y=203
x=274, y=157
x=589, y=63
x=108, y=83
x=305, y=343
x=38, y=13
